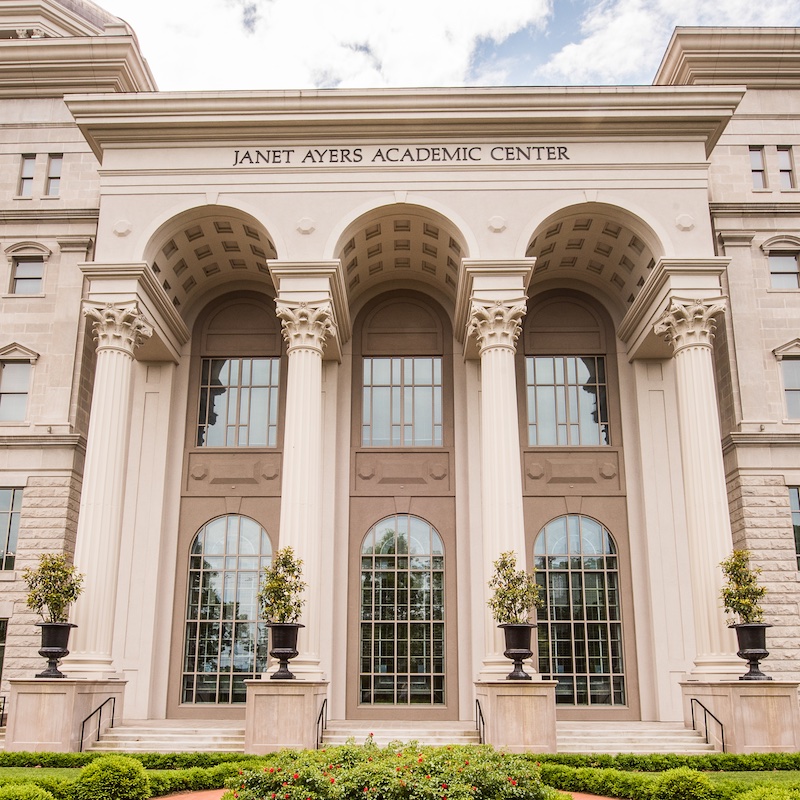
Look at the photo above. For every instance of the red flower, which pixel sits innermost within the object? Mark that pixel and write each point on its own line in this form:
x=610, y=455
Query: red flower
x=512, y=781
x=333, y=780
x=427, y=777
x=444, y=786
x=295, y=776
x=419, y=760
x=271, y=769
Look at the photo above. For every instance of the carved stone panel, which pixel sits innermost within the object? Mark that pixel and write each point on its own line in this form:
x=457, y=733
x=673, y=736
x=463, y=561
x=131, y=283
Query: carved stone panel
x=387, y=472
x=566, y=471
x=240, y=474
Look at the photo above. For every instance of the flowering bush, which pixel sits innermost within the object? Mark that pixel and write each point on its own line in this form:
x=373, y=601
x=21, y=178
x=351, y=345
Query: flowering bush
x=742, y=593
x=397, y=772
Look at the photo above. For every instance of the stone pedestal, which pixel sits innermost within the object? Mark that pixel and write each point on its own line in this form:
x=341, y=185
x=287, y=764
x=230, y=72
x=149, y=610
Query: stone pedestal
x=520, y=716
x=46, y=714
x=758, y=716
x=282, y=714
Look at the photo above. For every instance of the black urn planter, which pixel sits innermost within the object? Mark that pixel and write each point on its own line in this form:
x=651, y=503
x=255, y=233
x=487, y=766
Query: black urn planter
x=283, y=647
x=55, y=637
x=518, y=648
x=752, y=639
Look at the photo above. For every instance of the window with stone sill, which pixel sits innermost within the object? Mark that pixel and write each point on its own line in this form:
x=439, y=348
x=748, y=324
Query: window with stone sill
x=3, y=629
x=790, y=368
x=26, y=173
x=567, y=401
x=794, y=503
x=54, y=164
x=10, y=509
x=27, y=275
x=784, y=270
x=757, y=167
x=786, y=167
x=15, y=379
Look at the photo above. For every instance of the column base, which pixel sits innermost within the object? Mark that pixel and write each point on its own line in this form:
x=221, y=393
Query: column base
x=282, y=715
x=495, y=668
x=46, y=714
x=716, y=667
x=758, y=716
x=306, y=669
x=520, y=716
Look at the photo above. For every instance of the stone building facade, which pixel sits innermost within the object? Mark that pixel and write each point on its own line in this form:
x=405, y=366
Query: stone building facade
x=402, y=331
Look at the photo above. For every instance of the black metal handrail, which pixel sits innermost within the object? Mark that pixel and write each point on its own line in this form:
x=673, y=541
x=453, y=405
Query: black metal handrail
x=480, y=722
x=322, y=721
x=706, y=715
x=99, y=712
x=2, y=710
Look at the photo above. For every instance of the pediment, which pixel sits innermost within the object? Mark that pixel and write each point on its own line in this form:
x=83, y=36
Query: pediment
x=17, y=352
x=788, y=350
x=781, y=242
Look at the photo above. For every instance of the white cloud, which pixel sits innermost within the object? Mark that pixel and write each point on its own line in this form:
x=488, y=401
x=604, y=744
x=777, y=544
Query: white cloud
x=205, y=44
x=623, y=40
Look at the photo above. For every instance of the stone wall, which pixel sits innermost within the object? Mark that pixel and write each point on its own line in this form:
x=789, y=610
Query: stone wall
x=48, y=523
x=761, y=521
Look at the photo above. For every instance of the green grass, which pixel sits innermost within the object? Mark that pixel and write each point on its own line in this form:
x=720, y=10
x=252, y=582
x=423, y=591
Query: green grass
x=789, y=779
x=16, y=773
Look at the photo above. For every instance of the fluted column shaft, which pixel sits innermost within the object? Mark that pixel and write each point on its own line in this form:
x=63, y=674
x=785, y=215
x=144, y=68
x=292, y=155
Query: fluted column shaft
x=118, y=331
x=305, y=328
x=496, y=327
x=689, y=327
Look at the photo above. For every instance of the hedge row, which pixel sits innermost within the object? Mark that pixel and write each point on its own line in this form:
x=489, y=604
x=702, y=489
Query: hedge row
x=149, y=760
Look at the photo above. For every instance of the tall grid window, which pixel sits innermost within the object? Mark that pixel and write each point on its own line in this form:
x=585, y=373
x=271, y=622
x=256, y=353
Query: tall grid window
x=580, y=627
x=757, y=168
x=15, y=379
x=53, y=185
x=27, y=169
x=786, y=167
x=402, y=636
x=225, y=642
x=402, y=402
x=794, y=502
x=791, y=386
x=567, y=400
x=784, y=271
x=3, y=630
x=27, y=276
x=10, y=509
x=238, y=402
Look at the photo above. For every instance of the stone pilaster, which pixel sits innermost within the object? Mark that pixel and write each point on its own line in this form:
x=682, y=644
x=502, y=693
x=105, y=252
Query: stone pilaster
x=688, y=325
x=306, y=327
x=496, y=325
x=118, y=330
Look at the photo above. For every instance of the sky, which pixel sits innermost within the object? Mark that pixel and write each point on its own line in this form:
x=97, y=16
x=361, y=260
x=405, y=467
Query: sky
x=212, y=45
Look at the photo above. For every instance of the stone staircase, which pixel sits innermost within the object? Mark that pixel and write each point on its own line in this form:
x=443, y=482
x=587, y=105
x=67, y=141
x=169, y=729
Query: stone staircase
x=629, y=737
x=340, y=731
x=173, y=736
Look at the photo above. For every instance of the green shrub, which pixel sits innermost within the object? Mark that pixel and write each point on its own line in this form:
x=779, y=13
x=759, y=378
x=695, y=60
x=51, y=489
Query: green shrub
x=770, y=793
x=112, y=778
x=24, y=791
x=683, y=784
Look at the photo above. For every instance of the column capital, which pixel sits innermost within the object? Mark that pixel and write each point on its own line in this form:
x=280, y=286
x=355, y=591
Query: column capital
x=118, y=327
x=496, y=323
x=688, y=323
x=306, y=326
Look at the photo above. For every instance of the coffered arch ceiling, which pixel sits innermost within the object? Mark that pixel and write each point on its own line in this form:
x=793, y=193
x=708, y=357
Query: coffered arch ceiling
x=401, y=243
x=596, y=245
x=200, y=249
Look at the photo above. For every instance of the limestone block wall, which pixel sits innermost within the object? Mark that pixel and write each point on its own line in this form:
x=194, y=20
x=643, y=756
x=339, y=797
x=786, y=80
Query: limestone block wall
x=761, y=521
x=48, y=523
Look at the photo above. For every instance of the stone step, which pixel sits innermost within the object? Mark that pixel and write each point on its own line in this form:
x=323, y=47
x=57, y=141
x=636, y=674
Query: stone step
x=383, y=732
x=171, y=737
x=629, y=737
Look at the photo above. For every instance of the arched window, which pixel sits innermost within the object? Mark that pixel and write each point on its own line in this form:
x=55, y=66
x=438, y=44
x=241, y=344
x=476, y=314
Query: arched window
x=225, y=643
x=402, y=613
x=580, y=628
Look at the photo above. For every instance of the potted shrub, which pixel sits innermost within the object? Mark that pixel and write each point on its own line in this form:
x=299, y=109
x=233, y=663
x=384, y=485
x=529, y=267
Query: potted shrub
x=281, y=598
x=741, y=595
x=514, y=594
x=52, y=587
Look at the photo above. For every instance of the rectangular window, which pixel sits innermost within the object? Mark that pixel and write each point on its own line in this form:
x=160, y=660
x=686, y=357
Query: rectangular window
x=27, y=276
x=10, y=508
x=791, y=386
x=794, y=502
x=14, y=385
x=238, y=402
x=402, y=404
x=757, y=168
x=784, y=271
x=3, y=630
x=26, y=176
x=786, y=167
x=54, y=175
x=567, y=403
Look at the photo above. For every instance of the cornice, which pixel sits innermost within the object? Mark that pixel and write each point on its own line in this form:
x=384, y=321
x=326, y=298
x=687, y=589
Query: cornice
x=50, y=215
x=754, y=57
x=49, y=440
x=59, y=66
x=570, y=113
x=736, y=439
x=754, y=209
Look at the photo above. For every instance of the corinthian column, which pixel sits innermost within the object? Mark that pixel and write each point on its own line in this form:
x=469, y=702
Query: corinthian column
x=688, y=325
x=118, y=332
x=306, y=327
x=496, y=326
